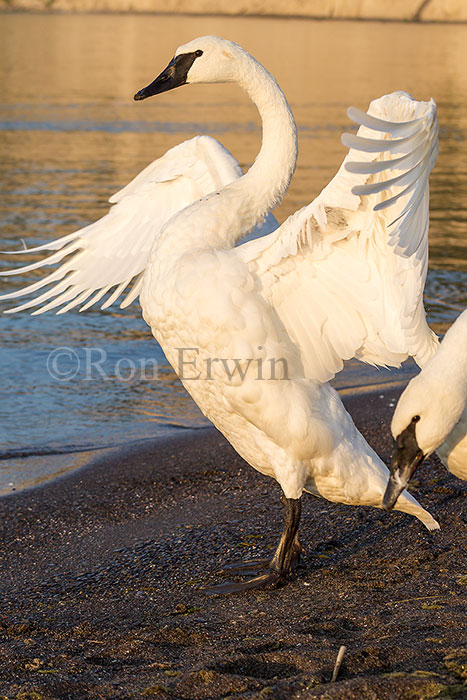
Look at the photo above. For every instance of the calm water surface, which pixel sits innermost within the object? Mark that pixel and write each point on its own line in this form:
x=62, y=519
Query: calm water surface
x=71, y=135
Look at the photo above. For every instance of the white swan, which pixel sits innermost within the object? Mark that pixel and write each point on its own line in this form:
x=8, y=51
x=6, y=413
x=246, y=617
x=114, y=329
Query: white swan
x=431, y=414
x=255, y=331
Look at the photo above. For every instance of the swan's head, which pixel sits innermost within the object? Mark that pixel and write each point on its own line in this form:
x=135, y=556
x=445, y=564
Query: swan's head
x=208, y=59
x=426, y=413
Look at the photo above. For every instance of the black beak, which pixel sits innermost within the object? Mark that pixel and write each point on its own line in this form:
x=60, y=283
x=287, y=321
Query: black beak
x=406, y=459
x=173, y=76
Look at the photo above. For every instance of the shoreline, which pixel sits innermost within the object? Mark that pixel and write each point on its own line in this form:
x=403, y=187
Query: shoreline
x=102, y=575
x=108, y=455
x=418, y=11
x=72, y=459
x=34, y=465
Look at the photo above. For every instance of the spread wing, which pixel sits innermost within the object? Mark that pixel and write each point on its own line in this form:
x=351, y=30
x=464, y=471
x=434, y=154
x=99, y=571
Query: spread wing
x=346, y=273
x=110, y=255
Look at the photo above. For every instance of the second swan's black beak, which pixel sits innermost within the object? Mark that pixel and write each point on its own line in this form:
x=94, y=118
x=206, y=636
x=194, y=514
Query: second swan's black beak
x=407, y=457
x=173, y=76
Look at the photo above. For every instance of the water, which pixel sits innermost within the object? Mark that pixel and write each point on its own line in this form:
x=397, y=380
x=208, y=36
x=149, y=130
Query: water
x=71, y=135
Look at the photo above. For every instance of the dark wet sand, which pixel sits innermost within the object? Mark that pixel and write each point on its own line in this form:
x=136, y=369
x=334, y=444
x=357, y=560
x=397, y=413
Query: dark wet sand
x=101, y=576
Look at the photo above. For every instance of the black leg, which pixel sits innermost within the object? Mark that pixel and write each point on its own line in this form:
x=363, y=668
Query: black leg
x=286, y=557
x=252, y=567
x=282, y=559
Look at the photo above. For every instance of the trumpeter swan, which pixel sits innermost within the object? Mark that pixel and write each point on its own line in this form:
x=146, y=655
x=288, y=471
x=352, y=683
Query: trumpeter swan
x=256, y=331
x=431, y=414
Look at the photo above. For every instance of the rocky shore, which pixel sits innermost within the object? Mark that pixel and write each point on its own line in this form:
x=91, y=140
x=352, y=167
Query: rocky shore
x=102, y=576
x=405, y=10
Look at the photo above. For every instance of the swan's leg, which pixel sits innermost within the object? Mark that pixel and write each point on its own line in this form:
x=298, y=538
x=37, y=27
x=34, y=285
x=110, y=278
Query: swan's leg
x=284, y=561
x=252, y=567
x=286, y=551
x=297, y=550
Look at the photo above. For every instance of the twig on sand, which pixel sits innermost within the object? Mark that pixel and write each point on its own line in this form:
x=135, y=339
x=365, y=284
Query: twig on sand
x=337, y=665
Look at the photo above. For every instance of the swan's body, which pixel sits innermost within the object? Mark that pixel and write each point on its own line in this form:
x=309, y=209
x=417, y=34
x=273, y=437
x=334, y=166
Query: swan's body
x=267, y=323
x=431, y=413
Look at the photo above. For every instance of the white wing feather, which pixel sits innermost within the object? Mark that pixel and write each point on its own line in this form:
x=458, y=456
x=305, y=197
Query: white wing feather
x=346, y=273
x=113, y=251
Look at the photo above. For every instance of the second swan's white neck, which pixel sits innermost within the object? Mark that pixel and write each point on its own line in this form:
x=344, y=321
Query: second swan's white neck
x=222, y=219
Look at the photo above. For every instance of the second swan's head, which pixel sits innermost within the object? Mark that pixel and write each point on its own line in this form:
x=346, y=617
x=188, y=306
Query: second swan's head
x=208, y=59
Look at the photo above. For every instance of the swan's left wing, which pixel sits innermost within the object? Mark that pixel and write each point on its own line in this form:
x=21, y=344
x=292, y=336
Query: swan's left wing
x=346, y=273
x=111, y=254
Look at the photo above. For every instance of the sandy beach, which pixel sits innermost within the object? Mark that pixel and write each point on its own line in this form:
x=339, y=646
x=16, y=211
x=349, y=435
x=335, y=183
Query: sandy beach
x=102, y=574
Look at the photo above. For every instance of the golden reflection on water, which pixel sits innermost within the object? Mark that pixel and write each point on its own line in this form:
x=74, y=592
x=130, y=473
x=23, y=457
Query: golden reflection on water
x=83, y=70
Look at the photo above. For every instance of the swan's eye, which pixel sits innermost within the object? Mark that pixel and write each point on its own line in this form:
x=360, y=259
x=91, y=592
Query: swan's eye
x=415, y=419
x=198, y=53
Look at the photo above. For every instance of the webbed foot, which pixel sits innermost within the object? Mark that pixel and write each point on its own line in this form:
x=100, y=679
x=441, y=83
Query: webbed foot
x=270, y=578
x=276, y=571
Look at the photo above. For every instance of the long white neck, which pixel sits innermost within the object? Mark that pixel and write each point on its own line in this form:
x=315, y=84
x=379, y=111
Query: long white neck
x=222, y=219
x=264, y=185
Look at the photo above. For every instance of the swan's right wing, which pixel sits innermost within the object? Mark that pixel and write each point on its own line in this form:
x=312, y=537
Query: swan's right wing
x=345, y=274
x=111, y=254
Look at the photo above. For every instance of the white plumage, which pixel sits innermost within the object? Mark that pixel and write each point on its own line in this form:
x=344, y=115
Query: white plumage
x=342, y=277
x=113, y=252
x=438, y=395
